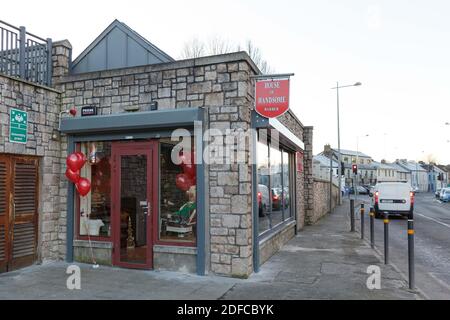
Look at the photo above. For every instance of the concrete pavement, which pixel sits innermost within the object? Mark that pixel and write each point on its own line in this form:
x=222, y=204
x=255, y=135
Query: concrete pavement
x=324, y=261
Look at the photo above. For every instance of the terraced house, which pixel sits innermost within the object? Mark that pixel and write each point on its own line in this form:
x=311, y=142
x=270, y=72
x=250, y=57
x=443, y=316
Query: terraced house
x=130, y=97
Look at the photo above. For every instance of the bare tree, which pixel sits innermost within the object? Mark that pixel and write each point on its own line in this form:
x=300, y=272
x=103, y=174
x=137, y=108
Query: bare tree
x=216, y=45
x=431, y=158
x=193, y=48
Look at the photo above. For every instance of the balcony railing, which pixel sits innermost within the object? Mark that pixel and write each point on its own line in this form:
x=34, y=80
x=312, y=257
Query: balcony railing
x=25, y=55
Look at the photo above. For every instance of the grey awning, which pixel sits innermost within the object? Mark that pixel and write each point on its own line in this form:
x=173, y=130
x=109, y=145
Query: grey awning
x=133, y=121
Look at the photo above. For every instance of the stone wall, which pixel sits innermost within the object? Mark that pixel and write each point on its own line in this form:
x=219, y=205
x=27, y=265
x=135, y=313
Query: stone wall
x=42, y=105
x=273, y=244
x=308, y=179
x=322, y=200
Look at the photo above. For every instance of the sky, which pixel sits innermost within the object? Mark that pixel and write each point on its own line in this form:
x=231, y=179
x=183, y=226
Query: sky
x=399, y=50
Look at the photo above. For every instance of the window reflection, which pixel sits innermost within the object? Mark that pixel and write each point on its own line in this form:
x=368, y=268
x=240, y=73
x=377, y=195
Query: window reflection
x=263, y=195
x=286, y=186
x=274, y=171
x=277, y=196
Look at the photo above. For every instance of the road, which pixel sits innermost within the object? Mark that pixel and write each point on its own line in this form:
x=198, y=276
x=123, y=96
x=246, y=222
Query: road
x=432, y=244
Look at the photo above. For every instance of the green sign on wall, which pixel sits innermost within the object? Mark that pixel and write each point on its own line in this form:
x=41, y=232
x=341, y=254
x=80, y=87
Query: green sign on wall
x=18, y=125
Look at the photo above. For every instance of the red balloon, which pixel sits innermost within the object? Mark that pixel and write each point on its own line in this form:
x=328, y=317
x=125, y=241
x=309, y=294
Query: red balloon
x=75, y=161
x=189, y=169
x=72, y=162
x=183, y=182
x=73, y=176
x=83, y=186
x=82, y=157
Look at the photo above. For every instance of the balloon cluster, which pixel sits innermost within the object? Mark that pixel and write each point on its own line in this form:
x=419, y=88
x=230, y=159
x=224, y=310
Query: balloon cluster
x=187, y=179
x=75, y=161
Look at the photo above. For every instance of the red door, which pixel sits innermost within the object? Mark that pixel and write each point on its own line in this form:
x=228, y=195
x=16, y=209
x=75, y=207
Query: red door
x=134, y=196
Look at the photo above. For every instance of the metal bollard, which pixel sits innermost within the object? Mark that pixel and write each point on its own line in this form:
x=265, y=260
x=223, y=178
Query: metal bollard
x=411, y=254
x=386, y=238
x=372, y=228
x=352, y=215
x=362, y=221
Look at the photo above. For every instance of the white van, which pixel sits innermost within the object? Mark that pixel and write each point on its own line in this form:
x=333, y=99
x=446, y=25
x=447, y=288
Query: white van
x=393, y=198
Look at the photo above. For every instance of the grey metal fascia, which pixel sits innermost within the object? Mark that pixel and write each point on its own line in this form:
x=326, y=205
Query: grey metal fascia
x=277, y=125
x=262, y=122
x=177, y=118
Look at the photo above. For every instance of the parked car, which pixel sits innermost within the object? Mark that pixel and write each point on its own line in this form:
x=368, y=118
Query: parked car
x=393, y=198
x=279, y=197
x=361, y=190
x=443, y=194
x=446, y=195
x=263, y=199
x=438, y=193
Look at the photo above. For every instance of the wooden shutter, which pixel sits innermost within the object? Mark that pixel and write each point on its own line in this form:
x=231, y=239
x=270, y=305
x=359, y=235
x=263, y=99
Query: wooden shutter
x=25, y=208
x=4, y=211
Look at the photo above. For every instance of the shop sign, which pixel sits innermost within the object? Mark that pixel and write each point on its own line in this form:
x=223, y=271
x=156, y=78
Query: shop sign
x=88, y=111
x=18, y=126
x=272, y=97
x=299, y=162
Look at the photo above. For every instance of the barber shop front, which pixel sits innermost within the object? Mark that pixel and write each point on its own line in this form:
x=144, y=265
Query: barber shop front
x=154, y=202
x=142, y=209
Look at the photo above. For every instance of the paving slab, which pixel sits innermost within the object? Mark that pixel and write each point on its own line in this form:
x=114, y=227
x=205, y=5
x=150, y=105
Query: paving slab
x=324, y=261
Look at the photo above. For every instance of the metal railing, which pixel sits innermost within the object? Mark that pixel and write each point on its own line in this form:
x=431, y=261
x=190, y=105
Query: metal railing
x=25, y=55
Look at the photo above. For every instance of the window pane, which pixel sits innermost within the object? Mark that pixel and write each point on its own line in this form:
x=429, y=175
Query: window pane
x=178, y=213
x=95, y=208
x=287, y=184
x=276, y=186
x=263, y=195
x=133, y=220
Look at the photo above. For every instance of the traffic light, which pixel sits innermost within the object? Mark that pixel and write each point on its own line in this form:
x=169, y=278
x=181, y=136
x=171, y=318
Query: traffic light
x=355, y=168
x=342, y=169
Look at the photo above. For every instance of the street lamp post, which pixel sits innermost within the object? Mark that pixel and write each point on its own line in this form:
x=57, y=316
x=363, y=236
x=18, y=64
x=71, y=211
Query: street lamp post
x=339, y=135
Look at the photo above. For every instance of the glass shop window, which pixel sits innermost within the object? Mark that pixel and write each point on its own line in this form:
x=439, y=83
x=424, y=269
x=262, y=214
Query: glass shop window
x=276, y=189
x=94, y=214
x=287, y=165
x=263, y=193
x=178, y=193
x=274, y=195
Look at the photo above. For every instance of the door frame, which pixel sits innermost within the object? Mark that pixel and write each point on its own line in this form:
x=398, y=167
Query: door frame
x=118, y=149
x=5, y=218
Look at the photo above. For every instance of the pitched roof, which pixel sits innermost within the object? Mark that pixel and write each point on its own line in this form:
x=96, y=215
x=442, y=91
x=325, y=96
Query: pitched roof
x=325, y=161
x=118, y=46
x=353, y=153
x=411, y=166
x=399, y=168
x=386, y=166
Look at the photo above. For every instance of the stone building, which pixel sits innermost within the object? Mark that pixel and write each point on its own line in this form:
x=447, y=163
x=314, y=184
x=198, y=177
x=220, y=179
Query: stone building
x=144, y=209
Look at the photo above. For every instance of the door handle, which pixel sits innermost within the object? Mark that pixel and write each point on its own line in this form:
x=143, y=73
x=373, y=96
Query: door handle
x=147, y=206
